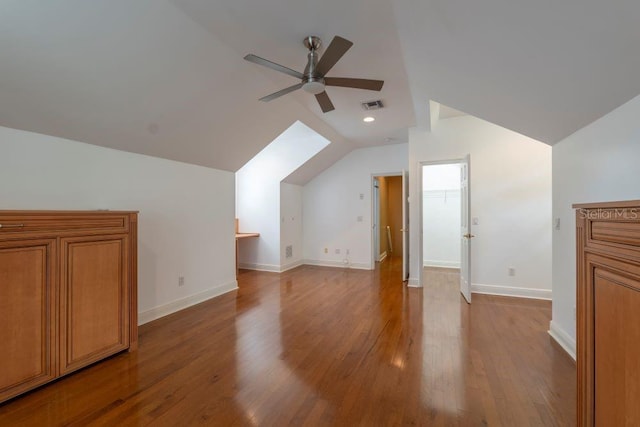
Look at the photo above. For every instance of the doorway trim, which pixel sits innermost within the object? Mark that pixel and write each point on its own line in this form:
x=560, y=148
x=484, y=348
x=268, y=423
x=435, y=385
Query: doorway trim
x=374, y=258
x=420, y=210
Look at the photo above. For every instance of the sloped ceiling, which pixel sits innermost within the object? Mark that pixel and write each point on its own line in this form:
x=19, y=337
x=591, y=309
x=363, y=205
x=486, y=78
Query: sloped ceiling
x=541, y=68
x=166, y=77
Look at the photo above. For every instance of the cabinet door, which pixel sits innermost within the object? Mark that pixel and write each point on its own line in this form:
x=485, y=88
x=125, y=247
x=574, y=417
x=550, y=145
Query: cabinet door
x=27, y=315
x=94, y=299
x=617, y=348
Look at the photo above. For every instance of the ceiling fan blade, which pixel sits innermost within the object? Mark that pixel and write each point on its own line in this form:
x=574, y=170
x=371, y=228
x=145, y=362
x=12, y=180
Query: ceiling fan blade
x=325, y=103
x=279, y=93
x=334, y=52
x=354, y=83
x=266, y=63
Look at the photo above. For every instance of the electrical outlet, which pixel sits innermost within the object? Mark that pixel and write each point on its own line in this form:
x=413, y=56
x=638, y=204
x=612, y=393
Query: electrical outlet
x=337, y=251
x=289, y=251
x=326, y=250
x=512, y=271
x=347, y=251
x=181, y=281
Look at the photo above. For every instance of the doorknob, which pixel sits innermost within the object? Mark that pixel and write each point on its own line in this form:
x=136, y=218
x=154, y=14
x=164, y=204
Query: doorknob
x=468, y=236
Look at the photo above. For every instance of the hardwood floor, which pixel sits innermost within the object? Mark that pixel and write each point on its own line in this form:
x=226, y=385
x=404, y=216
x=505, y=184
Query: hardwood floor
x=318, y=346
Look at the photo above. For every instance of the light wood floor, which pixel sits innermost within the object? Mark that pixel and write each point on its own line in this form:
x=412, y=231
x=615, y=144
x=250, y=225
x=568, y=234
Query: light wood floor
x=318, y=346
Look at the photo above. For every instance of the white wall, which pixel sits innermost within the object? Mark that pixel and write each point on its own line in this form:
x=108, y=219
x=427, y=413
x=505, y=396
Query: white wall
x=258, y=193
x=596, y=164
x=441, y=215
x=335, y=215
x=510, y=195
x=186, y=211
x=290, y=225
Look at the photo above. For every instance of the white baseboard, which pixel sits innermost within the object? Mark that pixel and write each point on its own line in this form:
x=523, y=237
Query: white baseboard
x=510, y=291
x=563, y=339
x=436, y=263
x=338, y=264
x=413, y=283
x=290, y=266
x=270, y=267
x=382, y=256
x=182, y=303
x=259, y=267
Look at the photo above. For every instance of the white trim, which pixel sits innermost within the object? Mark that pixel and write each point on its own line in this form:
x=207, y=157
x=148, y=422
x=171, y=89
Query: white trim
x=338, y=264
x=259, y=267
x=290, y=266
x=436, y=263
x=511, y=291
x=414, y=282
x=270, y=267
x=563, y=339
x=383, y=255
x=182, y=303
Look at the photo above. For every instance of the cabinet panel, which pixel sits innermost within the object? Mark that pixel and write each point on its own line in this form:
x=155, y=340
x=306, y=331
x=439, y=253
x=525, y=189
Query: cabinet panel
x=617, y=347
x=95, y=299
x=21, y=224
x=622, y=232
x=27, y=315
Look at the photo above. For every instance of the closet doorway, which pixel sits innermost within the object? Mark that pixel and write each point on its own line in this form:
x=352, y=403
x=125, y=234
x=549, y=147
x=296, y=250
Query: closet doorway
x=387, y=227
x=445, y=232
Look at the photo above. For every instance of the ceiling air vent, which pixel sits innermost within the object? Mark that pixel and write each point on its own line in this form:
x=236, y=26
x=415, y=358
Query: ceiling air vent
x=373, y=105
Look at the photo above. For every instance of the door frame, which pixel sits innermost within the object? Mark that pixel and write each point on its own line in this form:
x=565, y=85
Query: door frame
x=420, y=209
x=374, y=256
x=375, y=224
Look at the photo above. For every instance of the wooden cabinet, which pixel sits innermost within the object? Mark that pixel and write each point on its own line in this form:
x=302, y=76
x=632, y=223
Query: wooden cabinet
x=68, y=294
x=608, y=313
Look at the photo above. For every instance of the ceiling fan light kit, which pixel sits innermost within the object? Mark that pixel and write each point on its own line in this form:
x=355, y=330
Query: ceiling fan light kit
x=314, y=79
x=314, y=86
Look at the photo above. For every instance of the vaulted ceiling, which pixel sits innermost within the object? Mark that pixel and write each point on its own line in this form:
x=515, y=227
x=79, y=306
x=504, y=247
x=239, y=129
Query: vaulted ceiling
x=166, y=77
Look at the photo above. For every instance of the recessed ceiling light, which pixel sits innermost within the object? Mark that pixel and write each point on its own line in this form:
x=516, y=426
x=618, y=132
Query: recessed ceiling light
x=368, y=119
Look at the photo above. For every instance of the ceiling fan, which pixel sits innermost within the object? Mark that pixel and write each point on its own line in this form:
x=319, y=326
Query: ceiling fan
x=314, y=79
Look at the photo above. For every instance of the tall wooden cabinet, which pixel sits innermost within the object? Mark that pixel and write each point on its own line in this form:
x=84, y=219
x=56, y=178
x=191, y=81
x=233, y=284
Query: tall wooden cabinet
x=608, y=313
x=68, y=293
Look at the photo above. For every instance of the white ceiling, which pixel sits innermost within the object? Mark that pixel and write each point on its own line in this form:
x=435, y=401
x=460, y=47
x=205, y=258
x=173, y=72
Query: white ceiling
x=542, y=68
x=166, y=77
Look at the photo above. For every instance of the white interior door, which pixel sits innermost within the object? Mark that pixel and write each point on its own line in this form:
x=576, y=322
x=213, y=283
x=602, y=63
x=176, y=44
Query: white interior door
x=405, y=225
x=465, y=231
